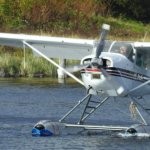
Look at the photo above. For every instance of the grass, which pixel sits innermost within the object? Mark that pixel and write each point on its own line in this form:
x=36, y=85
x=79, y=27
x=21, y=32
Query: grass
x=121, y=29
x=14, y=65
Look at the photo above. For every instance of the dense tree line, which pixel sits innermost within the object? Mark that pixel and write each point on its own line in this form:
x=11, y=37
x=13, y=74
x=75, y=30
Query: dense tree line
x=81, y=16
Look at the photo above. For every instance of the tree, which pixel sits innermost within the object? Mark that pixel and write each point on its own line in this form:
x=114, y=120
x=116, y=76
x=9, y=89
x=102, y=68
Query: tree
x=136, y=9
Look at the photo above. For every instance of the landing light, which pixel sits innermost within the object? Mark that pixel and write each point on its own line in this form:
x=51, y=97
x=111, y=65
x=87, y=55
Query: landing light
x=96, y=76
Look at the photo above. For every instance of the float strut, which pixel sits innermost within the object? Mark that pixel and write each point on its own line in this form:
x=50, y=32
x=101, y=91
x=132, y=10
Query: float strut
x=74, y=108
x=93, y=109
x=138, y=104
x=144, y=122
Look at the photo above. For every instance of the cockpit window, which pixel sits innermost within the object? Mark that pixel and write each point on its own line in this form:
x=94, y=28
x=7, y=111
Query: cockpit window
x=124, y=48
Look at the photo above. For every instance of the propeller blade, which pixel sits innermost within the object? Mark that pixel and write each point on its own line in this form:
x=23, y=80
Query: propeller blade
x=113, y=82
x=100, y=45
x=95, y=61
x=76, y=68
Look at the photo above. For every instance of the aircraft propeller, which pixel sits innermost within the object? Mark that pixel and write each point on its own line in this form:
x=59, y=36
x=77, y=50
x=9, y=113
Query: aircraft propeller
x=95, y=62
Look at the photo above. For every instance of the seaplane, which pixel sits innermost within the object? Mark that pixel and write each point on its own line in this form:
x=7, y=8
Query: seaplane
x=118, y=69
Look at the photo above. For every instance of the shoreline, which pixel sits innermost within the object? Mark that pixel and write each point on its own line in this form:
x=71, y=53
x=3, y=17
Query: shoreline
x=13, y=66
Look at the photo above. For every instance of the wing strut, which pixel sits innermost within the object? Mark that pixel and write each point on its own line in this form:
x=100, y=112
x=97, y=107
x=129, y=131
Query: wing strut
x=24, y=48
x=140, y=86
x=68, y=73
x=138, y=104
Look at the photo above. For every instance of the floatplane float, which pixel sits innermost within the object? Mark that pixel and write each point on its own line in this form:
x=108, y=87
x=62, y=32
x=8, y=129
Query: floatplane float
x=108, y=68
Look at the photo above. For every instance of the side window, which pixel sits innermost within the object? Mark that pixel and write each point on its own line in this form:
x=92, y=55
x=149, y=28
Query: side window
x=143, y=58
x=147, y=60
x=140, y=61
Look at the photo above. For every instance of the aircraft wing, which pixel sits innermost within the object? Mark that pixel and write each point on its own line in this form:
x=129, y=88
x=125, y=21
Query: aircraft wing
x=53, y=47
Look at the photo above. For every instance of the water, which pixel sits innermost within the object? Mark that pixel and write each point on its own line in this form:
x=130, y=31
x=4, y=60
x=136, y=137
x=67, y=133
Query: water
x=23, y=102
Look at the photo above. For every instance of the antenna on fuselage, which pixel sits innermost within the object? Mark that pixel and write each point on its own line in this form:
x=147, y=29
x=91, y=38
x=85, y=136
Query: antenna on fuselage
x=144, y=36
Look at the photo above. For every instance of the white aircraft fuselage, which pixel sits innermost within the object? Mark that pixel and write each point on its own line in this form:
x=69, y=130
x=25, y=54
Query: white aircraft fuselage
x=123, y=71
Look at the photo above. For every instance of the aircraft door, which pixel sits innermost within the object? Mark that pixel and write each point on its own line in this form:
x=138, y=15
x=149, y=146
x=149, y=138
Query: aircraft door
x=141, y=65
x=130, y=66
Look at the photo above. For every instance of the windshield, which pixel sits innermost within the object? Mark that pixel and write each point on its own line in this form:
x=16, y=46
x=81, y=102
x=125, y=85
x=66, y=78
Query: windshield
x=124, y=48
x=107, y=45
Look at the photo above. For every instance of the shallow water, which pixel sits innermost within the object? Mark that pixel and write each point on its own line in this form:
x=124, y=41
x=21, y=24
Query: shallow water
x=25, y=101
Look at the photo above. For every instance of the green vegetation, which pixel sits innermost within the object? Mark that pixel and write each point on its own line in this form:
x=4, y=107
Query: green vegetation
x=13, y=65
x=80, y=17
x=67, y=18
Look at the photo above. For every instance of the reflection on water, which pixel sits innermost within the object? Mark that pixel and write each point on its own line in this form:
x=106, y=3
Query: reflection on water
x=25, y=101
x=43, y=81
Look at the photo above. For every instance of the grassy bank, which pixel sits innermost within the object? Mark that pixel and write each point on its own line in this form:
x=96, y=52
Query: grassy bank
x=120, y=29
x=12, y=65
x=67, y=17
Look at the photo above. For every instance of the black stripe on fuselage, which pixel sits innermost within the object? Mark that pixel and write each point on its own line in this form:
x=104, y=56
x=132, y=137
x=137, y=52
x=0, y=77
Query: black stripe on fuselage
x=120, y=73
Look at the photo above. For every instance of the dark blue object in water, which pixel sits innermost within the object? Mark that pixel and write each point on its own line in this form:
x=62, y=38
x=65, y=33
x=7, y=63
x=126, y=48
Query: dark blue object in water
x=41, y=132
